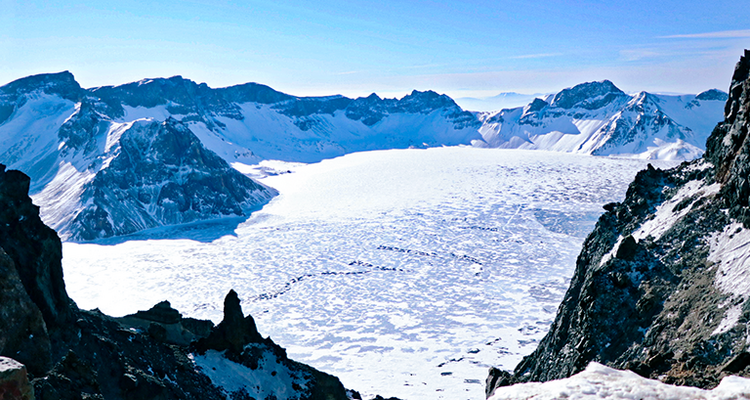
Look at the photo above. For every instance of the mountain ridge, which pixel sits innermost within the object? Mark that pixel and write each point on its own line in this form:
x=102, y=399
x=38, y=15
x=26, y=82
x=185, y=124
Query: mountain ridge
x=64, y=136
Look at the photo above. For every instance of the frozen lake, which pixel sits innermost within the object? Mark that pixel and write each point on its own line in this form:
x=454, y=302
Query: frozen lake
x=404, y=272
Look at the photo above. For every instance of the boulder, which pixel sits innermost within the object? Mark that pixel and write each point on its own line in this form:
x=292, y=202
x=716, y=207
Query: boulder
x=14, y=383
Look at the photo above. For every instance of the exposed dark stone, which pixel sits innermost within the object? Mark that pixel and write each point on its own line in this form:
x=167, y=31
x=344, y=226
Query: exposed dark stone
x=537, y=105
x=234, y=332
x=738, y=363
x=71, y=379
x=162, y=312
x=712, y=94
x=23, y=334
x=35, y=251
x=627, y=249
x=496, y=378
x=61, y=83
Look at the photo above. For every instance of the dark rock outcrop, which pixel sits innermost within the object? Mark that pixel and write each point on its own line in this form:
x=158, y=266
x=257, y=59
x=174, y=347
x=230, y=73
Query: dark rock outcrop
x=234, y=332
x=77, y=354
x=646, y=293
x=238, y=338
x=23, y=333
x=166, y=325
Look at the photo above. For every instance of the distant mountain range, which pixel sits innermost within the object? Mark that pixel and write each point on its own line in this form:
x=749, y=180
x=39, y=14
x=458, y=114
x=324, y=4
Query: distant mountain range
x=113, y=160
x=598, y=118
x=498, y=101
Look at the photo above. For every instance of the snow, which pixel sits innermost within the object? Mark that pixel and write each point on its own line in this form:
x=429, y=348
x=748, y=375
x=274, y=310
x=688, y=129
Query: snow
x=270, y=380
x=665, y=216
x=729, y=251
x=593, y=131
x=62, y=196
x=389, y=269
x=600, y=382
x=730, y=319
x=28, y=139
x=700, y=115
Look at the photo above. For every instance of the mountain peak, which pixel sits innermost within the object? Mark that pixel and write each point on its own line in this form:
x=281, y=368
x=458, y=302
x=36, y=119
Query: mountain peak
x=425, y=102
x=61, y=83
x=712, y=94
x=589, y=95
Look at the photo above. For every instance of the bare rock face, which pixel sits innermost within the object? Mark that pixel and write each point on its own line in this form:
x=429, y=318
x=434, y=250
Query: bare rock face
x=728, y=148
x=650, y=292
x=23, y=334
x=14, y=383
x=34, y=248
x=166, y=325
x=34, y=301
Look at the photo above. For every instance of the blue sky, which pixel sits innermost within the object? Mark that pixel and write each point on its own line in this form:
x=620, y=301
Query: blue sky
x=462, y=48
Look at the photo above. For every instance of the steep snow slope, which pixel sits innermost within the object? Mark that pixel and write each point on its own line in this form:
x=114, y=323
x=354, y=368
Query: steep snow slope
x=403, y=272
x=598, y=118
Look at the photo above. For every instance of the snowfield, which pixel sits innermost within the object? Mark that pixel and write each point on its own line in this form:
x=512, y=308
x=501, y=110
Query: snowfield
x=404, y=272
x=600, y=382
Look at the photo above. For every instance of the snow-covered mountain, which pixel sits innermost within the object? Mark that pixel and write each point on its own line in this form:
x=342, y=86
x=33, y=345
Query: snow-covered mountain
x=95, y=175
x=118, y=159
x=600, y=119
x=113, y=160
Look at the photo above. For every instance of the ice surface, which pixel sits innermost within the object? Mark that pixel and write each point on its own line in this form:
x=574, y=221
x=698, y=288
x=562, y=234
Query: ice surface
x=600, y=382
x=404, y=272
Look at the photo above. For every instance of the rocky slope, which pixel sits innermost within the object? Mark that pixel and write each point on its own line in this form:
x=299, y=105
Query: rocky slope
x=155, y=354
x=661, y=286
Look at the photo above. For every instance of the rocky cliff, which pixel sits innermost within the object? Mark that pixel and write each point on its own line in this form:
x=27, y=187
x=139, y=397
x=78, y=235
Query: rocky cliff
x=155, y=354
x=661, y=286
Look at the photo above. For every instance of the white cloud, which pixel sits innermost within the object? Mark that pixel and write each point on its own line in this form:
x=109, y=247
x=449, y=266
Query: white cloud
x=712, y=35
